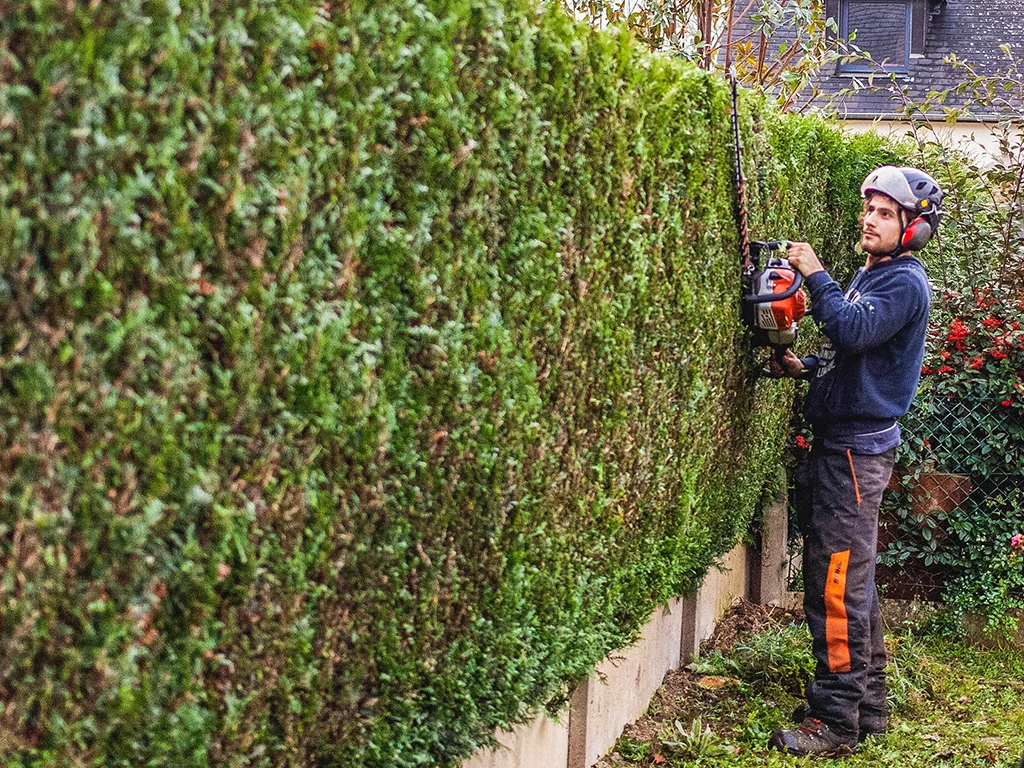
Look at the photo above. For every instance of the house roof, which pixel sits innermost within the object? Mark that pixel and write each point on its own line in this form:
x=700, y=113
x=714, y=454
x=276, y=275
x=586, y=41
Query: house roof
x=974, y=30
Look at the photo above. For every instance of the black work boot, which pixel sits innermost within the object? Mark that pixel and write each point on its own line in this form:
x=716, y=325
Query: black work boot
x=871, y=726
x=811, y=738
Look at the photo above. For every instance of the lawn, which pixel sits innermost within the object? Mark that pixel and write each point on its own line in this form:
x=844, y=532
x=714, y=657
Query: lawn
x=952, y=704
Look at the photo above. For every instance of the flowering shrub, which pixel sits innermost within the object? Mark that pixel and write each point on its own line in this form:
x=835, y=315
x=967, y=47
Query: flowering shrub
x=967, y=421
x=972, y=383
x=980, y=352
x=996, y=593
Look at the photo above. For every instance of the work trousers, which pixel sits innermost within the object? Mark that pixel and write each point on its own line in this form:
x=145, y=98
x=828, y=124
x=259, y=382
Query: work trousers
x=837, y=497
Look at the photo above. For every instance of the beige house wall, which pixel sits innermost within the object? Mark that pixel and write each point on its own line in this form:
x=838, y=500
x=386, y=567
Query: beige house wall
x=979, y=140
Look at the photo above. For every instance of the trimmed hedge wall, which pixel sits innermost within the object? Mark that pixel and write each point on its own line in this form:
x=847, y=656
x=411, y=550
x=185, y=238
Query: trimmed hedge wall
x=369, y=369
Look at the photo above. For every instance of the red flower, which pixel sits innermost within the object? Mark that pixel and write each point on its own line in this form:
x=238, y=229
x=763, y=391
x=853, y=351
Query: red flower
x=945, y=369
x=957, y=330
x=977, y=362
x=926, y=371
x=944, y=355
x=801, y=442
x=998, y=354
x=1007, y=403
x=992, y=322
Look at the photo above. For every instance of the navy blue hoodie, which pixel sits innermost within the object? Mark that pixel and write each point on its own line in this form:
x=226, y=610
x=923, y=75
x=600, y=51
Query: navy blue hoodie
x=866, y=375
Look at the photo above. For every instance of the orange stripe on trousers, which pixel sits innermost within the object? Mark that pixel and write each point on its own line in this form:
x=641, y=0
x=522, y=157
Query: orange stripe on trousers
x=853, y=474
x=837, y=634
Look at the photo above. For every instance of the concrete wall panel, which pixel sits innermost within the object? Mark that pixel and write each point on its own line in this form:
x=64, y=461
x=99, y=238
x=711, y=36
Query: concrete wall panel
x=621, y=688
x=718, y=592
x=543, y=743
x=619, y=692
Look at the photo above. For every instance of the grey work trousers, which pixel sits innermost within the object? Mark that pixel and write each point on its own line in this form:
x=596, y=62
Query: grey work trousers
x=837, y=499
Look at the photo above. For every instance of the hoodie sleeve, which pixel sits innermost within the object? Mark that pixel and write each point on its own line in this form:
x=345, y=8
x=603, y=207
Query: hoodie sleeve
x=880, y=312
x=811, y=363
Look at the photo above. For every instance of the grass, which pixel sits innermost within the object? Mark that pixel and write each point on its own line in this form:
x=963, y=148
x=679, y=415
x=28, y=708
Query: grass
x=951, y=705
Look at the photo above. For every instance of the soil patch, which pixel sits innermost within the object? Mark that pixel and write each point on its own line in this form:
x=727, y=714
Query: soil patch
x=743, y=619
x=686, y=695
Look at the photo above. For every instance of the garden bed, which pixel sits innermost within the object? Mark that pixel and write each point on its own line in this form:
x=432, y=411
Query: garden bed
x=952, y=704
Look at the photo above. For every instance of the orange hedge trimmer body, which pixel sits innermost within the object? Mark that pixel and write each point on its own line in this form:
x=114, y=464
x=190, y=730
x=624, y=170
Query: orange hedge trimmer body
x=772, y=300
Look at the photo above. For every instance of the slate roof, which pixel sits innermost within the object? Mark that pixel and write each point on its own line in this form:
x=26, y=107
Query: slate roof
x=972, y=29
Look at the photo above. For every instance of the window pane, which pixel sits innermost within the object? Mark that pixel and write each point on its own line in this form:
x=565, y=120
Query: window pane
x=881, y=30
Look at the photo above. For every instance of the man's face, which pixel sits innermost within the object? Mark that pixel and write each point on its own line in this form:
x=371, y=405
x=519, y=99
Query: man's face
x=880, y=225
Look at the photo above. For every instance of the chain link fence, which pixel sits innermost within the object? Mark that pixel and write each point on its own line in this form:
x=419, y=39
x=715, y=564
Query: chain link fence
x=955, y=499
x=957, y=495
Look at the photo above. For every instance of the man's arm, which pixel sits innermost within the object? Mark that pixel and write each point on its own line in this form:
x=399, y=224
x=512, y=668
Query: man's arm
x=868, y=322
x=856, y=326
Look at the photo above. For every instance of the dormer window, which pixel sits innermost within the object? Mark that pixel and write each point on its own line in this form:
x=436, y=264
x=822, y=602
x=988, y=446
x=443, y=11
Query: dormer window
x=891, y=31
x=882, y=28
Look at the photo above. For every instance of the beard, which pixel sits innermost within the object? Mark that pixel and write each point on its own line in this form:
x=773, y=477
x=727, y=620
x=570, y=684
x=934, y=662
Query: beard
x=876, y=247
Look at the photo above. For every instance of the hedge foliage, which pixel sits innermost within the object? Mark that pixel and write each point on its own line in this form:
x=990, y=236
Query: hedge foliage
x=370, y=369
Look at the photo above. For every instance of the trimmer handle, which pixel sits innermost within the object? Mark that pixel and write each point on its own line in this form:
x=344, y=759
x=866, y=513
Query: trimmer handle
x=778, y=353
x=770, y=245
x=798, y=280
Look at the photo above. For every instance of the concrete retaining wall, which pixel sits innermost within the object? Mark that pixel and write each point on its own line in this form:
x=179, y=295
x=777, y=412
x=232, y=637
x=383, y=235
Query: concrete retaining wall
x=543, y=743
x=622, y=686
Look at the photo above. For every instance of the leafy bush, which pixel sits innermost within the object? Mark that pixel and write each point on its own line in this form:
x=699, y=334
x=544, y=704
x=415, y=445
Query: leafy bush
x=968, y=421
x=995, y=593
x=368, y=371
x=783, y=657
x=973, y=383
x=634, y=751
x=696, y=743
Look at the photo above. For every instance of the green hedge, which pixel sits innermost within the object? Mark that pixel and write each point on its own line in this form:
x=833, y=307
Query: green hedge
x=369, y=369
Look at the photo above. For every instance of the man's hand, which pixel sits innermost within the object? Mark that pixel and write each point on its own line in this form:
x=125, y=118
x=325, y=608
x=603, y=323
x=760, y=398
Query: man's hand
x=803, y=257
x=791, y=366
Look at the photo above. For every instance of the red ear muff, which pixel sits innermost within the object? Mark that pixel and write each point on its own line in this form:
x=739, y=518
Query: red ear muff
x=916, y=235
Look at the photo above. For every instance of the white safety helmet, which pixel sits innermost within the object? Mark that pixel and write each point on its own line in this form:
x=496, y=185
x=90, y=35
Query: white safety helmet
x=915, y=191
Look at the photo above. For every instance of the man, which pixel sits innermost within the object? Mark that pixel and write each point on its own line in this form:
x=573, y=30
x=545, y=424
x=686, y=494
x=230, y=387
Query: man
x=861, y=382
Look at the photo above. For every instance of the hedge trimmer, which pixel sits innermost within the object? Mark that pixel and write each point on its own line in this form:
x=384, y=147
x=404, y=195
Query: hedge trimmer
x=772, y=299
